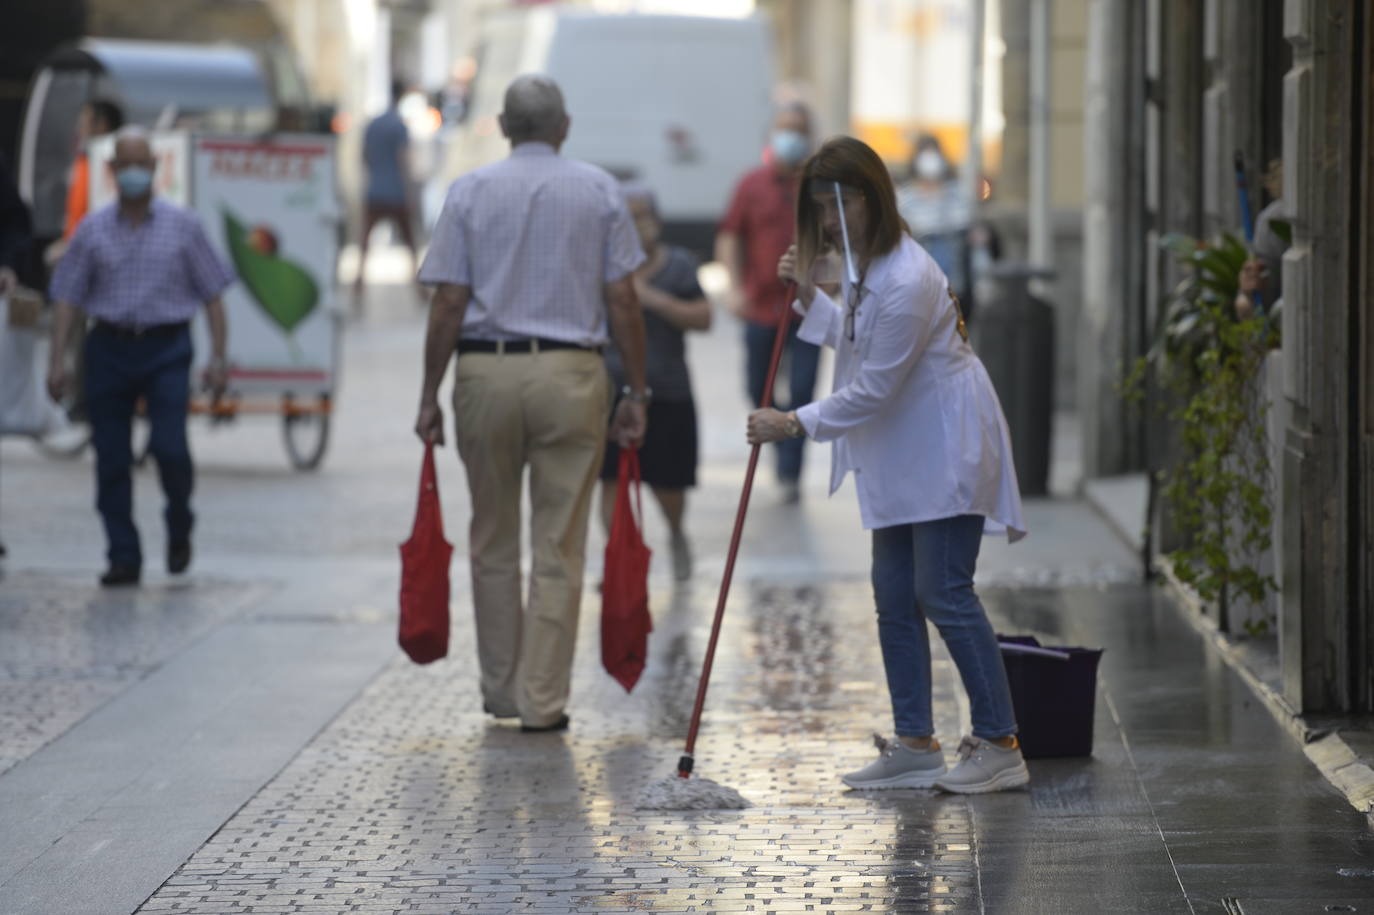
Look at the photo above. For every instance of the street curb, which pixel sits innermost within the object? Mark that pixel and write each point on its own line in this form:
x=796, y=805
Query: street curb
x=1335, y=760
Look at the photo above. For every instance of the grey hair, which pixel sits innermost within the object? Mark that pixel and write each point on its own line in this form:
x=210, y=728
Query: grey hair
x=134, y=132
x=533, y=109
x=797, y=106
x=642, y=193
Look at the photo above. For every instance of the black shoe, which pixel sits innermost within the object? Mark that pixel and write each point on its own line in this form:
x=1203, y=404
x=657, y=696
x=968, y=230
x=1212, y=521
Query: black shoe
x=120, y=575
x=560, y=725
x=179, y=557
x=495, y=714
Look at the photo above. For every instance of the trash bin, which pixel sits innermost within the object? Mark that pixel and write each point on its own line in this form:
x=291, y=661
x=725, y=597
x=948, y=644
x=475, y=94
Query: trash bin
x=1014, y=336
x=1054, y=692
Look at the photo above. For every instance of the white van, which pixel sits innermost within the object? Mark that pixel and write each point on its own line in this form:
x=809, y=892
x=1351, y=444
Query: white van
x=681, y=103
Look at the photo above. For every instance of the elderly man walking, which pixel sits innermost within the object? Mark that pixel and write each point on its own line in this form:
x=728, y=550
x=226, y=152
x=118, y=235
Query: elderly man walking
x=533, y=257
x=138, y=270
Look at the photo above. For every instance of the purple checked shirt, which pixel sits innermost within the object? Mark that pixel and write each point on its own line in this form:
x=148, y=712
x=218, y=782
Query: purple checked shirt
x=159, y=271
x=536, y=236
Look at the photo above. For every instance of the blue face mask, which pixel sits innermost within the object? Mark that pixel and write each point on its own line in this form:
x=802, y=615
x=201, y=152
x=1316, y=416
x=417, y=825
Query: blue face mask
x=134, y=181
x=790, y=146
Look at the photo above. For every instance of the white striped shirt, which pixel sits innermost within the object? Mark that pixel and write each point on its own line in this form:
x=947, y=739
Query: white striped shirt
x=536, y=237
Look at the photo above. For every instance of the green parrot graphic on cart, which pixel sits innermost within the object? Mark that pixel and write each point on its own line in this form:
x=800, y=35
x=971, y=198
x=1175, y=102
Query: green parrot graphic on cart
x=282, y=289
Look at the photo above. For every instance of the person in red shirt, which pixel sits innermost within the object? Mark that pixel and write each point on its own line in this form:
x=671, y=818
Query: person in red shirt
x=756, y=232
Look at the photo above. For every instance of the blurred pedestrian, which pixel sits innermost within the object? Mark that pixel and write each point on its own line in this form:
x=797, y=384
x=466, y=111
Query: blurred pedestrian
x=673, y=304
x=386, y=157
x=137, y=270
x=914, y=416
x=1263, y=271
x=533, y=258
x=755, y=232
x=939, y=213
x=15, y=237
x=97, y=118
x=15, y=230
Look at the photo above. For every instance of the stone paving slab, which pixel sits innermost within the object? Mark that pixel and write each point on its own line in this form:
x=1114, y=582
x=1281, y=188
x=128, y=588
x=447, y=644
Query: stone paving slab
x=70, y=646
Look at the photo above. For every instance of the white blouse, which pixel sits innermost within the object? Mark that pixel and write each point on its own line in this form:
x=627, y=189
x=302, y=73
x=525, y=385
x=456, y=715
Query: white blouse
x=913, y=414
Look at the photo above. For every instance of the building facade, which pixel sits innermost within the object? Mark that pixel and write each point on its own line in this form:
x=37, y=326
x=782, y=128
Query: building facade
x=1175, y=89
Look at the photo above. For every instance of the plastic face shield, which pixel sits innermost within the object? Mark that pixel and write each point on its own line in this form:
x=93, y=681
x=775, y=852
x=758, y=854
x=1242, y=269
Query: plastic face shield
x=820, y=188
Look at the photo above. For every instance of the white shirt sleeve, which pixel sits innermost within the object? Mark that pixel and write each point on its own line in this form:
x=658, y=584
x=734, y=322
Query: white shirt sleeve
x=821, y=322
x=899, y=335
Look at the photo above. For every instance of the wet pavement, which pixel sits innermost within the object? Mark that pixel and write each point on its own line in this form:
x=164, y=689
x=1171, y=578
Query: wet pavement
x=250, y=741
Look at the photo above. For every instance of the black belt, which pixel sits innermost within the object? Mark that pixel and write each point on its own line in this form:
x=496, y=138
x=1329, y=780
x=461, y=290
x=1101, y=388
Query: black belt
x=137, y=332
x=528, y=345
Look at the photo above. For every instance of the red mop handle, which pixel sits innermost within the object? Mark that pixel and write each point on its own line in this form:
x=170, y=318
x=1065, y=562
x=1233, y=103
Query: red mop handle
x=684, y=766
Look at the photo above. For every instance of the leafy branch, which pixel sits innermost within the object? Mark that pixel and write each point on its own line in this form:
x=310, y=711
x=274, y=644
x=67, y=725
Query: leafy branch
x=1209, y=359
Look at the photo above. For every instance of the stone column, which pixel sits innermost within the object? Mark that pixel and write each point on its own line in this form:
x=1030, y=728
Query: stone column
x=1113, y=235
x=1232, y=46
x=1318, y=177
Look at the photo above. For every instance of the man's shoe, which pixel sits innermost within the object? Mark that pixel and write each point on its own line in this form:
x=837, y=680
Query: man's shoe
x=791, y=492
x=560, y=725
x=496, y=713
x=120, y=575
x=179, y=557
x=985, y=767
x=897, y=766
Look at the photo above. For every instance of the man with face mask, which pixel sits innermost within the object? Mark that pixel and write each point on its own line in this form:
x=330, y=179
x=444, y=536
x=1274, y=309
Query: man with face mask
x=756, y=232
x=137, y=270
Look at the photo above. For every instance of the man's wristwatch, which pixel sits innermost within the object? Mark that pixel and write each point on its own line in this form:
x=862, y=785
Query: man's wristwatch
x=633, y=396
x=793, y=426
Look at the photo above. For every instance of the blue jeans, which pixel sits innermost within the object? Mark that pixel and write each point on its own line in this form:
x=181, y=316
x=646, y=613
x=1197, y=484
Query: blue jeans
x=925, y=572
x=801, y=359
x=119, y=371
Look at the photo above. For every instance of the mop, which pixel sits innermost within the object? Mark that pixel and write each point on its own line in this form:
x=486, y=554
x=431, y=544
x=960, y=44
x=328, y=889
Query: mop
x=681, y=791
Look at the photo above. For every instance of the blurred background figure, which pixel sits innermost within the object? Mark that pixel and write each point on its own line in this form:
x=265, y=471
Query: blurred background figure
x=15, y=228
x=756, y=232
x=386, y=158
x=1263, y=272
x=673, y=304
x=98, y=117
x=937, y=208
x=139, y=270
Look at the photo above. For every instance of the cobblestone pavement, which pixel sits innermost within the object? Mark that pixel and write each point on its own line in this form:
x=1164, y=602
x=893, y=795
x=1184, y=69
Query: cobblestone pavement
x=414, y=801
x=311, y=796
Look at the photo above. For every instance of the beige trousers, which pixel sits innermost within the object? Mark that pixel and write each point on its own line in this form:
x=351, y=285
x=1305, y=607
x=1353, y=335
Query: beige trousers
x=547, y=411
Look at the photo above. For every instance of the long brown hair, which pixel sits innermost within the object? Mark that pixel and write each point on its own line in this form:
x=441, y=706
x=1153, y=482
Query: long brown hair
x=853, y=163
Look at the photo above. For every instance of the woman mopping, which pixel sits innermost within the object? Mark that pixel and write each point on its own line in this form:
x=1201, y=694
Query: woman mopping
x=915, y=417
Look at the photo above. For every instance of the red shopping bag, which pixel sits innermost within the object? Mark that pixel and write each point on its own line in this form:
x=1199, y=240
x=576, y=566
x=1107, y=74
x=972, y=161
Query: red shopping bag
x=625, y=621
x=424, y=574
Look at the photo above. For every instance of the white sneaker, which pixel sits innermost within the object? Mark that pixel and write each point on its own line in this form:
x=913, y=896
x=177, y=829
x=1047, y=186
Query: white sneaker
x=897, y=766
x=985, y=767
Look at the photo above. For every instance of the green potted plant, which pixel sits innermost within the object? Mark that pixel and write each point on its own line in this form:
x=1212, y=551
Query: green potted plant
x=1205, y=357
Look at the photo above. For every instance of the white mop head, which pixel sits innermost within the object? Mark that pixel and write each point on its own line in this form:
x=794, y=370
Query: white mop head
x=677, y=793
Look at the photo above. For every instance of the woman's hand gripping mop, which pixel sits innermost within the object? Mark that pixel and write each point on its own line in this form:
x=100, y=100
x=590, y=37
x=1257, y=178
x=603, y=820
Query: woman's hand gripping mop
x=681, y=791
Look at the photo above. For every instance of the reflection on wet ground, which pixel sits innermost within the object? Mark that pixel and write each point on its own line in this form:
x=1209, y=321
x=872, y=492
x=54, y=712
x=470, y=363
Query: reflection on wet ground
x=413, y=801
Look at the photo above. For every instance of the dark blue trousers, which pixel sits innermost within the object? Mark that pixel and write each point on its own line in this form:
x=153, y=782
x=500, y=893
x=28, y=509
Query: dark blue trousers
x=119, y=371
x=799, y=364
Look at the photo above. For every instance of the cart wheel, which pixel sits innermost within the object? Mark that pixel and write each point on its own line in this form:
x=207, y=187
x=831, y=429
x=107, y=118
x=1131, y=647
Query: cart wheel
x=306, y=436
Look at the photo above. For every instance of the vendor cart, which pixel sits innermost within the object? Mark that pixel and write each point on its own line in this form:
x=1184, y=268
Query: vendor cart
x=267, y=200
x=268, y=205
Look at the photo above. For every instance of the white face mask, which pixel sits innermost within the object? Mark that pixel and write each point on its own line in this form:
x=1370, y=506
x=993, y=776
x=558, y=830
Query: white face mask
x=929, y=165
